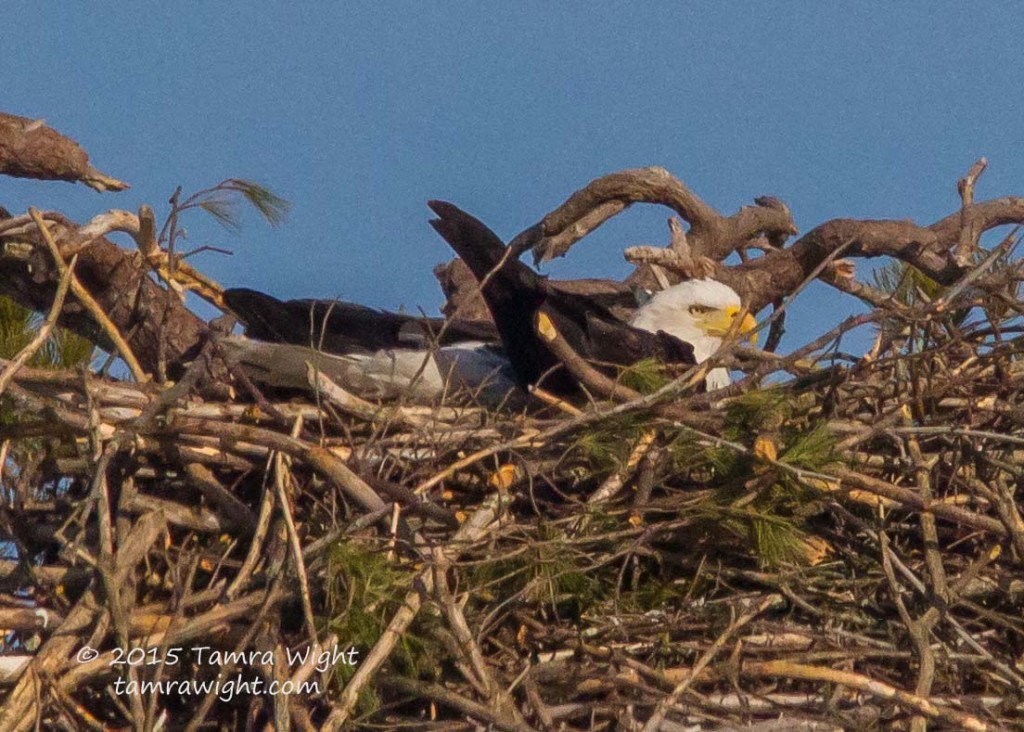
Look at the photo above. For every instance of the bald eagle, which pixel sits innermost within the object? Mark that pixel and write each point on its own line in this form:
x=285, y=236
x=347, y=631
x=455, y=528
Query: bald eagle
x=382, y=355
x=700, y=312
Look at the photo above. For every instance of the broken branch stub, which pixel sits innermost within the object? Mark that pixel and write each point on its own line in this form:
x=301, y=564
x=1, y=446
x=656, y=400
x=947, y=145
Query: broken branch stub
x=30, y=149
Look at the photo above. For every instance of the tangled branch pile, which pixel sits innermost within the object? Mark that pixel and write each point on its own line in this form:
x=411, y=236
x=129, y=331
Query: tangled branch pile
x=833, y=541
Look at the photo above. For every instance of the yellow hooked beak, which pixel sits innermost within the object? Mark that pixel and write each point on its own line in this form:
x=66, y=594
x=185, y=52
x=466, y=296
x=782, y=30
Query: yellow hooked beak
x=720, y=322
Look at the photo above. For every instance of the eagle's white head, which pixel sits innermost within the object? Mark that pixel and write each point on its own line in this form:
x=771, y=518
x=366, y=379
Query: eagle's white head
x=700, y=312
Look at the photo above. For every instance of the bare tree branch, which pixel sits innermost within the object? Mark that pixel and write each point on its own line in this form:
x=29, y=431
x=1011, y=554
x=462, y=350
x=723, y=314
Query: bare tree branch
x=760, y=281
x=711, y=234
x=145, y=313
x=30, y=149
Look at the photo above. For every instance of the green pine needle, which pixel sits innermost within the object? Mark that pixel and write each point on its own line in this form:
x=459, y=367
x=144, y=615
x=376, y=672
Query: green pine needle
x=906, y=283
x=814, y=450
x=271, y=206
x=645, y=376
x=18, y=324
x=221, y=202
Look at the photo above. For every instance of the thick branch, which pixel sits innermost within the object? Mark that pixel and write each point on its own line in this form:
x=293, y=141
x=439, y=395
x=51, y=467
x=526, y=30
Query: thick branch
x=928, y=248
x=30, y=149
x=142, y=311
x=932, y=249
x=711, y=234
x=984, y=216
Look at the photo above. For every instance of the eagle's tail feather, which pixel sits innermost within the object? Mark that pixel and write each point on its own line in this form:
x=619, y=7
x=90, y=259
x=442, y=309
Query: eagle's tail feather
x=478, y=246
x=513, y=292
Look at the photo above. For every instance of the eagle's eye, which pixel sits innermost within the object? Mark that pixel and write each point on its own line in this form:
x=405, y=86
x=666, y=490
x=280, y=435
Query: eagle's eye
x=700, y=309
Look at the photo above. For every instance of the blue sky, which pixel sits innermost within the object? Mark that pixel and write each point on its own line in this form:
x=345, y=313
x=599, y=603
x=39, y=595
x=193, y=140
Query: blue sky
x=360, y=112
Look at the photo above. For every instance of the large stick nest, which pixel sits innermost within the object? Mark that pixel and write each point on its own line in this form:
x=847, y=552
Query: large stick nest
x=834, y=541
